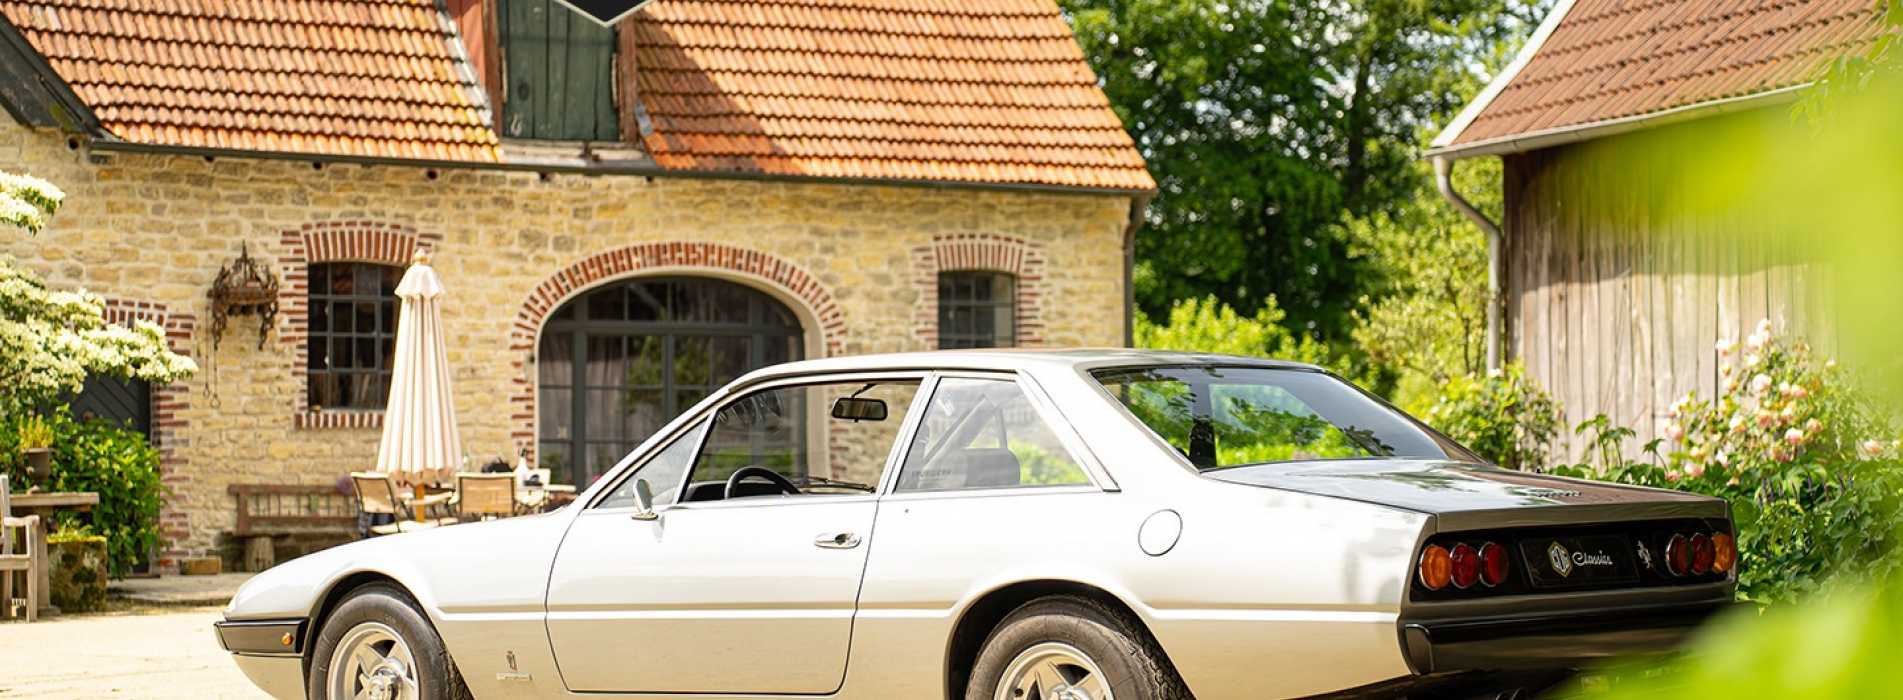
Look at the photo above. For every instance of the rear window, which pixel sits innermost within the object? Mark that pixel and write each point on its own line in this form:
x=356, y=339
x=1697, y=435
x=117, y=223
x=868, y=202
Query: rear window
x=1233, y=416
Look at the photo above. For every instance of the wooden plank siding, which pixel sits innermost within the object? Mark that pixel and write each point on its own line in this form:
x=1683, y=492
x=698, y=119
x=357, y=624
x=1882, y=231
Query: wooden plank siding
x=1618, y=288
x=558, y=69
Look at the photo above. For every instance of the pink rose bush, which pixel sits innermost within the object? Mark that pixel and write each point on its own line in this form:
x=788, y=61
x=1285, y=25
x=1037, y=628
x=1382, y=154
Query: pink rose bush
x=1808, y=462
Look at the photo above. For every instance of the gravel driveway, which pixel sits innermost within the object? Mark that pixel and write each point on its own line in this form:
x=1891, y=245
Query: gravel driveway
x=162, y=654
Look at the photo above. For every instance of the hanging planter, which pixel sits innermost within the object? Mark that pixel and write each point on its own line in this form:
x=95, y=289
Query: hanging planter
x=243, y=288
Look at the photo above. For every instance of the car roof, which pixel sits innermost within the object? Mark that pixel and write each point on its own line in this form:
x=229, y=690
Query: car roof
x=1012, y=359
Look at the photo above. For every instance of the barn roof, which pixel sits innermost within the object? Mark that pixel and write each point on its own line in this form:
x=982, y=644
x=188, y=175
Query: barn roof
x=1600, y=64
x=971, y=91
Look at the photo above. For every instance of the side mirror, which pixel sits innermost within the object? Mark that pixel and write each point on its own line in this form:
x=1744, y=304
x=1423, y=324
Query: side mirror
x=856, y=409
x=643, y=501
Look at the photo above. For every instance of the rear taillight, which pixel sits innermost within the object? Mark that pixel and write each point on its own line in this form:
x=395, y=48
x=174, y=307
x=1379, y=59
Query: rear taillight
x=1466, y=563
x=1702, y=553
x=1678, y=555
x=1724, y=554
x=1437, y=568
x=1462, y=566
x=1493, y=564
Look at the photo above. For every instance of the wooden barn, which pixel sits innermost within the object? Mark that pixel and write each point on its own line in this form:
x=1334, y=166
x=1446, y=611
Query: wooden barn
x=1613, y=282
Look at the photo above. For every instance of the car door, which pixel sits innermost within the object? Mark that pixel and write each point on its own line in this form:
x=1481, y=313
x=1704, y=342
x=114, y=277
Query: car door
x=753, y=593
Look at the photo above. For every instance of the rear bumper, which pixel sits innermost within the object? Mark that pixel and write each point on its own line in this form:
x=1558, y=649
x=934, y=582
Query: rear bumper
x=1549, y=641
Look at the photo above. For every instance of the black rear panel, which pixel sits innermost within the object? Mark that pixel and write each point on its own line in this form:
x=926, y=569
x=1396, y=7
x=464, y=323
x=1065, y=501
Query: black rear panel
x=1577, y=558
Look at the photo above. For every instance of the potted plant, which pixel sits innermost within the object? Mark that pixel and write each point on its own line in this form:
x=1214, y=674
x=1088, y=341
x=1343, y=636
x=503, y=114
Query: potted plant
x=36, y=442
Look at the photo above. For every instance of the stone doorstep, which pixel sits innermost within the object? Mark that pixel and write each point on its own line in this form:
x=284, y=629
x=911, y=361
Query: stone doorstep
x=179, y=590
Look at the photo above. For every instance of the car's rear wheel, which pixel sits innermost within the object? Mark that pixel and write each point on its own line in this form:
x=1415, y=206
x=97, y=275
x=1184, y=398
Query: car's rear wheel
x=378, y=646
x=1069, y=648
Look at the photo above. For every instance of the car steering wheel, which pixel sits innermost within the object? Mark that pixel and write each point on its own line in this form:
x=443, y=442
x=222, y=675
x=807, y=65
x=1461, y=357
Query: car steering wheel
x=744, y=473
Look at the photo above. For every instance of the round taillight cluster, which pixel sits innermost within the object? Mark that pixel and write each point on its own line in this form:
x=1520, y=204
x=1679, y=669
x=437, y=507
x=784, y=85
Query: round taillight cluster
x=1700, y=554
x=1463, y=566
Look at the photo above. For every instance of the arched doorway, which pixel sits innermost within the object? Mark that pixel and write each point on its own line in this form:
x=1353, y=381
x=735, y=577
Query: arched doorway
x=617, y=362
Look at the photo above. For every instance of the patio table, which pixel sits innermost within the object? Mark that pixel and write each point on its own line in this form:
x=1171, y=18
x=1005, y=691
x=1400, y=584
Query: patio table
x=45, y=504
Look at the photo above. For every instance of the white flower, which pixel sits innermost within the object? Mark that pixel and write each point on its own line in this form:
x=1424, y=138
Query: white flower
x=1725, y=346
x=1674, y=432
x=1694, y=470
x=1870, y=449
x=1760, y=384
x=1794, y=436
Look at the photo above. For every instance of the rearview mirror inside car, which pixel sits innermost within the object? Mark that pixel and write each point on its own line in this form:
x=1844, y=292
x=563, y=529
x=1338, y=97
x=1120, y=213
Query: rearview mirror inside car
x=855, y=409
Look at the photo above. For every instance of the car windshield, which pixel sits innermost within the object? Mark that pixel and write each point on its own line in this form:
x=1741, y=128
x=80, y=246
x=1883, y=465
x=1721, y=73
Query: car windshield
x=1233, y=416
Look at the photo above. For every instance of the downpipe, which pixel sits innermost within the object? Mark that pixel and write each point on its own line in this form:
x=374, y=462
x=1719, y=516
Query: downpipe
x=1444, y=181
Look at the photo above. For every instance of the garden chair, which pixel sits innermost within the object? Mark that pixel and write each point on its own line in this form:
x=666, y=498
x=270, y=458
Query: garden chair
x=485, y=496
x=377, y=495
x=27, y=559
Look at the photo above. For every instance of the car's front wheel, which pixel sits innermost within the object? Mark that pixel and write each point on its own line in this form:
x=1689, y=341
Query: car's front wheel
x=1069, y=648
x=378, y=646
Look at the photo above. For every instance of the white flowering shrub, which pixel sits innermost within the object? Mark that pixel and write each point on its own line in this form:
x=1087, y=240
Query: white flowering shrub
x=1807, y=461
x=51, y=340
x=27, y=202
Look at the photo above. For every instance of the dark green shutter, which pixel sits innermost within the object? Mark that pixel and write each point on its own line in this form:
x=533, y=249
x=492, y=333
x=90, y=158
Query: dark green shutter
x=560, y=72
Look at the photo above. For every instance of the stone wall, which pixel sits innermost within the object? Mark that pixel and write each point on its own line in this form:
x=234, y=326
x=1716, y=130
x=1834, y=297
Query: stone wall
x=151, y=231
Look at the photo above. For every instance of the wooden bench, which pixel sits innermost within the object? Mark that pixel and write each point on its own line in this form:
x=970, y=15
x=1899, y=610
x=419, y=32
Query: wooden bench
x=269, y=511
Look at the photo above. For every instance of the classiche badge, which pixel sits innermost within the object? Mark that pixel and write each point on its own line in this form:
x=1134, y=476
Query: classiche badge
x=1561, y=559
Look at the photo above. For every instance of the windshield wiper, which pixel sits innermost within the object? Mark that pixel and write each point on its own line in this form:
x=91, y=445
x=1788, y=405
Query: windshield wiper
x=806, y=481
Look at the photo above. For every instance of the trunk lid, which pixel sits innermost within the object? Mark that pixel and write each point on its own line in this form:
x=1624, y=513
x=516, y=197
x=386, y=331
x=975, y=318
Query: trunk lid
x=1465, y=496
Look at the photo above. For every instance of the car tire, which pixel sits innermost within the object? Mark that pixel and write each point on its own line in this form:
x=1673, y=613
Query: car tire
x=1064, y=642
x=385, y=621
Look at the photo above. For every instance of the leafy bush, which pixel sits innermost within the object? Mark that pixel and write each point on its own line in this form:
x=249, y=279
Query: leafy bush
x=1503, y=416
x=1208, y=325
x=1796, y=449
x=118, y=464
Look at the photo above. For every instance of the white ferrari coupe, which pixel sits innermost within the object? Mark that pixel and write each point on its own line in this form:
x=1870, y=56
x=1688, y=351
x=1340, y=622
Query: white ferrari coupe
x=1006, y=525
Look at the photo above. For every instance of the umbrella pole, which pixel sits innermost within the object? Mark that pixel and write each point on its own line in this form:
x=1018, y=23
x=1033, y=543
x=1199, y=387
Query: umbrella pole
x=421, y=492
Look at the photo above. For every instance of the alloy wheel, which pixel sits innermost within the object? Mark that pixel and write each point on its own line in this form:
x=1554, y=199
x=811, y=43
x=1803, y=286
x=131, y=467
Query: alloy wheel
x=373, y=663
x=1053, y=671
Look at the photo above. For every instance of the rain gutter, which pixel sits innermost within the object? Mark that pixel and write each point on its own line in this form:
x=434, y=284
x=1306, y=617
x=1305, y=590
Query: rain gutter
x=642, y=168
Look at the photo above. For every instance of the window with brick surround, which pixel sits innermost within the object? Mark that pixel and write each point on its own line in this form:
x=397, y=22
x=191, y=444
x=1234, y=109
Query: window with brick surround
x=977, y=309
x=353, y=310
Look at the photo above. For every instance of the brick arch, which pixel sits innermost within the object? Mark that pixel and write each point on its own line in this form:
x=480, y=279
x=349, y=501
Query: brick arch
x=669, y=256
x=332, y=241
x=987, y=252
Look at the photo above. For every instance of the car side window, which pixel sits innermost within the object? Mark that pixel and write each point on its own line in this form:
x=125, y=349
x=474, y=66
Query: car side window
x=827, y=437
x=663, y=472
x=985, y=434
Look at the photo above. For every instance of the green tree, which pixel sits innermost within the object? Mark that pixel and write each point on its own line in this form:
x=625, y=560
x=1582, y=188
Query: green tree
x=1265, y=122
x=1425, y=315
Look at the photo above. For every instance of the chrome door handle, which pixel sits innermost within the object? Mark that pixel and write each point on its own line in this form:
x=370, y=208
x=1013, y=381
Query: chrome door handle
x=836, y=540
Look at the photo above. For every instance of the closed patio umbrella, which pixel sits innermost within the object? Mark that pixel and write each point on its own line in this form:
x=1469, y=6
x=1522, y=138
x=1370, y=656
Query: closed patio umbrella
x=420, y=442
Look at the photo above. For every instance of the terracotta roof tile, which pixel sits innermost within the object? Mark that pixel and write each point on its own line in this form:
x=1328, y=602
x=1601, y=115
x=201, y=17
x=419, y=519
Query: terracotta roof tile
x=990, y=91
x=964, y=90
x=1609, y=59
x=375, y=78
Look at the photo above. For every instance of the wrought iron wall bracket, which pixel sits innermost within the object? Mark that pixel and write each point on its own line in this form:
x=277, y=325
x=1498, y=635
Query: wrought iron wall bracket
x=241, y=288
